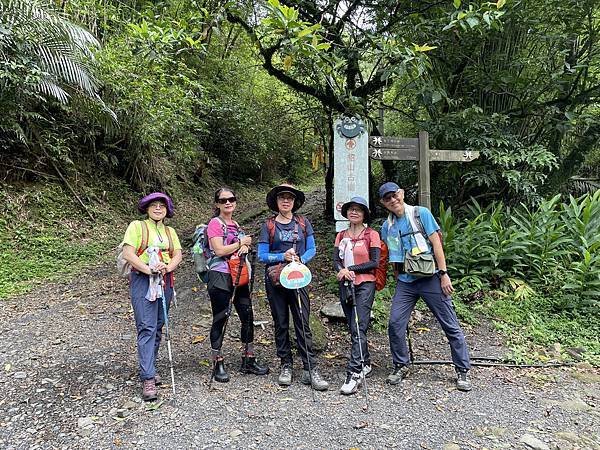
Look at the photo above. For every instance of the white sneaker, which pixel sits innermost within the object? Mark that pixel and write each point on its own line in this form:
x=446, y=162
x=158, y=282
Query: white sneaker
x=353, y=382
x=367, y=370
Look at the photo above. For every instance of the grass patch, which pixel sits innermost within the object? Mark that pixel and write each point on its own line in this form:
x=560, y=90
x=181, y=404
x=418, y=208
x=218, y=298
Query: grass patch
x=533, y=326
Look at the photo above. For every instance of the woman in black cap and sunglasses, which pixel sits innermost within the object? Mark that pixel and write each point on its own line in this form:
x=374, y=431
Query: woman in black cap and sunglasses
x=286, y=237
x=355, y=258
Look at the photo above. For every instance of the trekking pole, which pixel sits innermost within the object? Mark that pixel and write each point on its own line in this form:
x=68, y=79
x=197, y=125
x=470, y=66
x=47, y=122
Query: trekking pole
x=410, y=347
x=305, y=344
x=227, y=314
x=168, y=336
x=362, y=356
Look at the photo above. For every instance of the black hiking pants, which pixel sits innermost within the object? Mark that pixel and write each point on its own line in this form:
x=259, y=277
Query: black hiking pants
x=364, y=294
x=219, y=302
x=282, y=301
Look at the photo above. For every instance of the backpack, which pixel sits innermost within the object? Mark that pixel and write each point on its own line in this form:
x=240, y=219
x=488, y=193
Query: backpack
x=201, y=251
x=381, y=269
x=123, y=266
x=271, y=226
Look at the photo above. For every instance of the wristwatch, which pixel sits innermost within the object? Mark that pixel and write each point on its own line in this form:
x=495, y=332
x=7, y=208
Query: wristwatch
x=442, y=272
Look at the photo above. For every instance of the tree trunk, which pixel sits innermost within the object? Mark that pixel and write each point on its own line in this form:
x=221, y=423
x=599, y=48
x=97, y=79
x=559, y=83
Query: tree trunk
x=329, y=172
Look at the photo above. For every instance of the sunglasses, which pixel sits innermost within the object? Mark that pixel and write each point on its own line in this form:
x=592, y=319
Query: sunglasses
x=222, y=201
x=388, y=197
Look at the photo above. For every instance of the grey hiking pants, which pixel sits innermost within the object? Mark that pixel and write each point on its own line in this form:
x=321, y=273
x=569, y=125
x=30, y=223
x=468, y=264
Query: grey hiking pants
x=403, y=302
x=149, y=321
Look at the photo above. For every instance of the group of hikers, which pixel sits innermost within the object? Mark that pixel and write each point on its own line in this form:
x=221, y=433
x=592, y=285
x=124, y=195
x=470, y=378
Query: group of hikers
x=410, y=234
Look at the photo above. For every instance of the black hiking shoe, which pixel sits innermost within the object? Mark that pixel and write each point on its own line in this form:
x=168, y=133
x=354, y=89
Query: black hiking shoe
x=249, y=365
x=220, y=373
x=463, y=381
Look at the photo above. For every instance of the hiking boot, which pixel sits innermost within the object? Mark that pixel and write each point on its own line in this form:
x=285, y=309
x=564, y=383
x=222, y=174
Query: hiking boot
x=400, y=372
x=249, y=365
x=157, y=379
x=318, y=383
x=149, y=392
x=220, y=374
x=463, y=381
x=285, y=376
x=367, y=369
x=353, y=382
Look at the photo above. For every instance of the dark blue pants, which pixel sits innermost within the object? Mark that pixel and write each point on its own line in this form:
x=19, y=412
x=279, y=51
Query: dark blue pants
x=405, y=298
x=149, y=321
x=364, y=294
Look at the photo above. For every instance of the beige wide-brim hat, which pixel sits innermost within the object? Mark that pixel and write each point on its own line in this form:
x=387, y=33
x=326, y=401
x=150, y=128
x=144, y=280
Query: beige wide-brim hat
x=299, y=197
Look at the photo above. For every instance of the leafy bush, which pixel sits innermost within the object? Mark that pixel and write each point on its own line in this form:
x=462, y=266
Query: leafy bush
x=549, y=247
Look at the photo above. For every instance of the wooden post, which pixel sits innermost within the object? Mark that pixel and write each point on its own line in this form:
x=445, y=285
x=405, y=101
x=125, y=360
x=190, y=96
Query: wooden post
x=424, y=175
x=392, y=148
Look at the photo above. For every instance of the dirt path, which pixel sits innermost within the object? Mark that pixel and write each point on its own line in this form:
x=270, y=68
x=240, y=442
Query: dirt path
x=68, y=378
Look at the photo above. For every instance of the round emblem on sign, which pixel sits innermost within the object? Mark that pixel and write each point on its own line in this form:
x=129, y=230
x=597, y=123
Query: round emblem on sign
x=295, y=276
x=350, y=144
x=338, y=206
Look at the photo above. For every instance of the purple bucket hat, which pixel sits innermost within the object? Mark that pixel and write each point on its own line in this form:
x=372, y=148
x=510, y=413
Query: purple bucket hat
x=145, y=201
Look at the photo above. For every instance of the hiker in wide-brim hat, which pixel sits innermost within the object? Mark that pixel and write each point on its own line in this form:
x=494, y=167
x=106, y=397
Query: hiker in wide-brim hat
x=355, y=258
x=286, y=237
x=299, y=197
x=154, y=252
x=361, y=203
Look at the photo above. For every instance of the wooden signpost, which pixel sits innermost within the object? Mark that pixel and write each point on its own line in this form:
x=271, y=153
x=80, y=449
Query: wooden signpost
x=416, y=149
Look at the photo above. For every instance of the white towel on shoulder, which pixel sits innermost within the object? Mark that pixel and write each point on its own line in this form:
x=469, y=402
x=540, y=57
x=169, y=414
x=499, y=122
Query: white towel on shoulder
x=421, y=240
x=345, y=252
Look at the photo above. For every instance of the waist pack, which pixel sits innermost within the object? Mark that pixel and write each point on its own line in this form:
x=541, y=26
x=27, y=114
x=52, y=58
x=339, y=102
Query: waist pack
x=274, y=273
x=421, y=265
x=240, y=272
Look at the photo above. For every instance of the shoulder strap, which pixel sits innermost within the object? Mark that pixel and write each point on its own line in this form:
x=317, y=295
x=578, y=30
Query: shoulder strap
x=145, y=237
x=301, y=221
x=171, y=246
x=271, y=229
x=417, y=216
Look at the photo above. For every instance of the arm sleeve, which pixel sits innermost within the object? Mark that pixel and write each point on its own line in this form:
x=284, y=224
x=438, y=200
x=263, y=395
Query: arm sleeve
x=337, y=261
x=311, y=249
x=371, y=264
x=265, y=257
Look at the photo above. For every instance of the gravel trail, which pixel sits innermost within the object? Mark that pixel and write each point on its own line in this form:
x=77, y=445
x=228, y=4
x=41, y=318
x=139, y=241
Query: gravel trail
x=68, y=374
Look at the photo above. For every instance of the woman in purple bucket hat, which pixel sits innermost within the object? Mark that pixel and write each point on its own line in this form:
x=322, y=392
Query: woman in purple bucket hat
x=154, y=252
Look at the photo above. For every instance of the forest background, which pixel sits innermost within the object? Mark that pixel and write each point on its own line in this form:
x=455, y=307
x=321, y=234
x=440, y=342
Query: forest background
x=104, y=100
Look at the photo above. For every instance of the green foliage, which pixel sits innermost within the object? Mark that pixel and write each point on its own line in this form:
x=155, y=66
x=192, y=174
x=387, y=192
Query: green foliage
x=536, y=270
x=533, y=325
x=41, y=239
x=523, y=249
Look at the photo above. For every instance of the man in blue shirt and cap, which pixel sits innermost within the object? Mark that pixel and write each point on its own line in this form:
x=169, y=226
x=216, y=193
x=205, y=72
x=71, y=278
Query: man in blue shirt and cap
x=413, y=230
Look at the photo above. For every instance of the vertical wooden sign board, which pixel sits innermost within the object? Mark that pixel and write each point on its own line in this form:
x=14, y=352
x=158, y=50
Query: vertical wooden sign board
x=417, y=149
x=350, y=164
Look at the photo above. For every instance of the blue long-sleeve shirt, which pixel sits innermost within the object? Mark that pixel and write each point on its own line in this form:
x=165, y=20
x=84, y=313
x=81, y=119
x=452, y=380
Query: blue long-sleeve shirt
x=283, y=240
